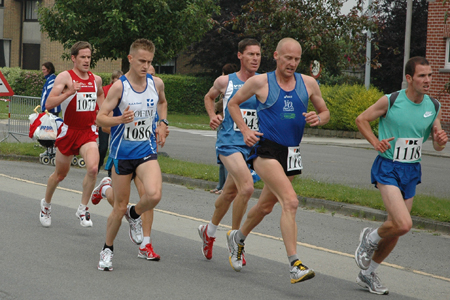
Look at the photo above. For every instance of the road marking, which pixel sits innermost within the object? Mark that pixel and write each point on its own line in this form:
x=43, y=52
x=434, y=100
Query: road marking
x=253, y=233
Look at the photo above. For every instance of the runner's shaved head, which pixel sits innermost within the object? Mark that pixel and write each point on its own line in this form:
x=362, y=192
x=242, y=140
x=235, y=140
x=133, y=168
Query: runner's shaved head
x=287, y=42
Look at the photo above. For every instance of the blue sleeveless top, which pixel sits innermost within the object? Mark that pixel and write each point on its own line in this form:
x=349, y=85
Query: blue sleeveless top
x=229, y=134
x=281, y=116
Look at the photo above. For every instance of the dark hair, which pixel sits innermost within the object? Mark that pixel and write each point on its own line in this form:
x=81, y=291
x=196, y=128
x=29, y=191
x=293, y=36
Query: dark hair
x=49, y=66
x=410, y=67
x=79, y=46
x=247, y=42
x=229, y=68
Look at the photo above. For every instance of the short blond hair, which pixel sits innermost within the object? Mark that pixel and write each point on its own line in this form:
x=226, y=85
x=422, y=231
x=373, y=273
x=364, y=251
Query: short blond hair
x=143, y=44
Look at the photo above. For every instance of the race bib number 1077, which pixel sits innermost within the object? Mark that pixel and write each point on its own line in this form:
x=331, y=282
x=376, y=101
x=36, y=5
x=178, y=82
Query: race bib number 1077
x=86, y=101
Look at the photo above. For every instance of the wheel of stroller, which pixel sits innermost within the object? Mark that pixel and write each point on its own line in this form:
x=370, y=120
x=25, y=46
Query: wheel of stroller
x=40, y=159
x=74, y=161
x=45, y=160
x=81, y=163
x=53, y=161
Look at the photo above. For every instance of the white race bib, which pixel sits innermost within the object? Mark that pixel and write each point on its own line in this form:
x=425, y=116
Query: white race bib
x=294, y=159
x=86, y=101
x=407, y=149
x=250, y=118
x=138, y=130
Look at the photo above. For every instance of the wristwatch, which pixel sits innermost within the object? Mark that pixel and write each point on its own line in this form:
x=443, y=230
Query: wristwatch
x=164, y=121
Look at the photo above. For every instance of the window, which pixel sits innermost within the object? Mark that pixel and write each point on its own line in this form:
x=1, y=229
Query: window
x=31, y=12
x=5, y=50
x=2, y=3
x=447, y=54
x=166, y=68
x=31, y=56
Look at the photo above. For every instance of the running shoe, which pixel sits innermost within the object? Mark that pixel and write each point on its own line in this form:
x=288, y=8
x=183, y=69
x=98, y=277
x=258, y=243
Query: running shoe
x=105, y=263
x=84, y=216
x=364, y=252
x=372, y=282
x=44, y=215
x=235, y=251
x=148, y=253
x=300, y=272
x=208, y=242
x=96, y=195
x=136, y=234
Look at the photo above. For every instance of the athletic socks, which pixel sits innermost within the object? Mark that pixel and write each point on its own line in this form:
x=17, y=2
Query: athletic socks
x=145, y=241
x=292, y=259
x=104, y=188
x=372, y=267
x=211, y=229
x=110, y=247
x=374, y=237
x=239, y=237
x=133, y=213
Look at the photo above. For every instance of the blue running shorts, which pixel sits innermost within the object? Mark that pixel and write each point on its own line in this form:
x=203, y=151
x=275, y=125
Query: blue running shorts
x=228, y=150
x=405, y=176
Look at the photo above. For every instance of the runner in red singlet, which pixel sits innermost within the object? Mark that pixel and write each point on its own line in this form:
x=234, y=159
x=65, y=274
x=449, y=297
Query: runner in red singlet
x=77, y=91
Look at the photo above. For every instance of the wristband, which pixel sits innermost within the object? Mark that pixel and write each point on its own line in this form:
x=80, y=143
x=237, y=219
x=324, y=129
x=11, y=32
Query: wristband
x=318, y=117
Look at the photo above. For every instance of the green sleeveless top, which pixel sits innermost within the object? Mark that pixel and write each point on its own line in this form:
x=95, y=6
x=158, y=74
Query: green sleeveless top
x=409, y=123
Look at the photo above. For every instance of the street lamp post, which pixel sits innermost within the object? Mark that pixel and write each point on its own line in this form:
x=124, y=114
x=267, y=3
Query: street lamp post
x=407, y=40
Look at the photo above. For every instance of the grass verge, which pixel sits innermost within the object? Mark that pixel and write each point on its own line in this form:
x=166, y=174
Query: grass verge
x=424, y=206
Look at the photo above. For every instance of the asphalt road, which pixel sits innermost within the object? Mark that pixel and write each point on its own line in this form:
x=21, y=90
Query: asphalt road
x=60, y=262
x=331, y=160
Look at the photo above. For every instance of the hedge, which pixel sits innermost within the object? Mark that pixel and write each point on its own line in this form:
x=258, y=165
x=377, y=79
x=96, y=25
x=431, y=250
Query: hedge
x=185, y=95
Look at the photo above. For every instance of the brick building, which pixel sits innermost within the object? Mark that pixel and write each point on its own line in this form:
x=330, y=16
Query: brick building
x=23, y=45
x=438, y=54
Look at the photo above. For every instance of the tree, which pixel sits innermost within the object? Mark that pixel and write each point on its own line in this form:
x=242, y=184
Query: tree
x=323, y=31
x=388, y=53
x=219, y=45
x=111, y=26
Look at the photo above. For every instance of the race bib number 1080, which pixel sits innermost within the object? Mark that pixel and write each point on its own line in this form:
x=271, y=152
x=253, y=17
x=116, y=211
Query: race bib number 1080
x=86, y=101
x=407, y=149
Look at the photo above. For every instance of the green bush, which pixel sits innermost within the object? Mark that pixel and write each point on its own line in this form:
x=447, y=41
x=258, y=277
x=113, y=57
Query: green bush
x=24, y=82
x=345, y=103
x=185, y=94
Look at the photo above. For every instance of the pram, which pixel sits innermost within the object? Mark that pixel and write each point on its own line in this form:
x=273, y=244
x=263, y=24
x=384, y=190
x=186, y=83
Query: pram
x=43, y=127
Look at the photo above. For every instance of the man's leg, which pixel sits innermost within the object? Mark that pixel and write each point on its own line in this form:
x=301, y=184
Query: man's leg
x=146, y=248
x=103, y=138
x=272, y=173
x=62, y=167
x=89, y=152
x=149, y=173
x=242, y=178
x=121, y=192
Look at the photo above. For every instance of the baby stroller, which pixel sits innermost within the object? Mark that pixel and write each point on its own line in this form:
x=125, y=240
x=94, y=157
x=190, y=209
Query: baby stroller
x=44, y=127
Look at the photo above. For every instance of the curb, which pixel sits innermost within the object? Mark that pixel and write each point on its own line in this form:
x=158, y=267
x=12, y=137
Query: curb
x=331, y=206
x=304, y=202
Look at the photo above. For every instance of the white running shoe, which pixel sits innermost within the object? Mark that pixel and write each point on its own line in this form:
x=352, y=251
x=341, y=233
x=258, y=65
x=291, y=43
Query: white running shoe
x=235, y=251
x=136, y=233
x=300, y=272
x=365, y=249
x=105, y=263
x=84, y=216
x=44, y=215
x=372, y=282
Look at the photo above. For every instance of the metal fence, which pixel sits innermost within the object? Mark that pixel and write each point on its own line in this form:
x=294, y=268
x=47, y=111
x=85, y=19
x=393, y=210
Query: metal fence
x=20, y=107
